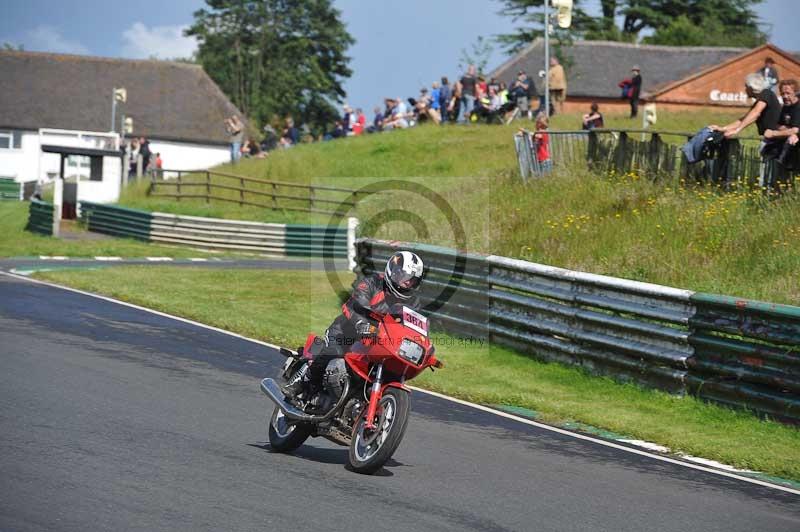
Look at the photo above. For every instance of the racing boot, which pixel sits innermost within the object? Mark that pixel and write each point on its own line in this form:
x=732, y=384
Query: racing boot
x=297, y=383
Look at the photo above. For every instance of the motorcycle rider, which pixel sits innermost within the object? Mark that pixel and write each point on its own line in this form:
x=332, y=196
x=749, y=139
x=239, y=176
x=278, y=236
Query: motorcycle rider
x=378, y=292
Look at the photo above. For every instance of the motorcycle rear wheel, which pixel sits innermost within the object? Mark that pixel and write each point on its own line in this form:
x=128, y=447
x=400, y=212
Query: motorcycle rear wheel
x=285, y=435
x=369, y=450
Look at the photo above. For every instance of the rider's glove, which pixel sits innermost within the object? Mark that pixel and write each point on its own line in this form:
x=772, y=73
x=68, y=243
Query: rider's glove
x=365, y=328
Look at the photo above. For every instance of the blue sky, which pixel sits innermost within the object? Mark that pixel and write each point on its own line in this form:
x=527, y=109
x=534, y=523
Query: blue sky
x=400, y=45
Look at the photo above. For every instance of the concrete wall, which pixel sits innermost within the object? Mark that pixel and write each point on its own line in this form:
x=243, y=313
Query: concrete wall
x=186, y=156
x=22, y=163
x=107, y=190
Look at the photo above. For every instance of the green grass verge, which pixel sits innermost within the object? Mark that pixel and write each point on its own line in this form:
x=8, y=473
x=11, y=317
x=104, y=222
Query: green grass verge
x=282, y=307
x=15, y=241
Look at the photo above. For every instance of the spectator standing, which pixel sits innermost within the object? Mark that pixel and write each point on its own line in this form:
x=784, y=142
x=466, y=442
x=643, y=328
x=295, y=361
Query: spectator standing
x=765, y=112
x=435, y=102
x=468, y=87
x=519, y=92
x=159, y=165
x=235, y=129
x=144, y=151
x=770, y=73
x=594, y=118
x=635, y=90
x=557, y=81
x=445, y=93
x=454, y=107
x=542, y=140
x=133, y=155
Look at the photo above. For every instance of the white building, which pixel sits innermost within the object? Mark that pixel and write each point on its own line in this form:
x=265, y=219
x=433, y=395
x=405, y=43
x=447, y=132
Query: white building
x=67, y=100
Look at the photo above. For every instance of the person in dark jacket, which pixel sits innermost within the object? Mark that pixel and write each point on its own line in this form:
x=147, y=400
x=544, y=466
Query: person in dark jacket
x=378, y=293
x=635, y=90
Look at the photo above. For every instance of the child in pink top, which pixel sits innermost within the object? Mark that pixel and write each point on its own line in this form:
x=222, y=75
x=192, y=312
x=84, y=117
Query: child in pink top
x=542, y=140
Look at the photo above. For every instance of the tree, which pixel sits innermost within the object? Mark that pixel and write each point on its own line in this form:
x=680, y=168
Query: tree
x=531, y=14
x=733, y=22
x=479, y=55
x=276, y=57
x=712, y=32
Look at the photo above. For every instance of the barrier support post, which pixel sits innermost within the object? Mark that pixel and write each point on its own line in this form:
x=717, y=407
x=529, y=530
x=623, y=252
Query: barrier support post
x=352, y=227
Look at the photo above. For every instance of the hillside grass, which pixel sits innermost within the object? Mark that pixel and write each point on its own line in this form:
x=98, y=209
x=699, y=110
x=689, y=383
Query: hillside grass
x=15, y=241
x=282, y=307
x=739, y=244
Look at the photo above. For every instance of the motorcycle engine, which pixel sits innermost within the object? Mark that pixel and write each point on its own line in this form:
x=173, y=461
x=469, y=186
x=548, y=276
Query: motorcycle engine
x=335, y=377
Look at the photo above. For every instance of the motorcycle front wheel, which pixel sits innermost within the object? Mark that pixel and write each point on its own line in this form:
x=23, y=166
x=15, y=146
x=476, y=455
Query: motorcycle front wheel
x=286, y=435
x=370, y=449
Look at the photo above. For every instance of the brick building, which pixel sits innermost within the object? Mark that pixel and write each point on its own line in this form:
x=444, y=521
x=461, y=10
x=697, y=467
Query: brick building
x=674, y=77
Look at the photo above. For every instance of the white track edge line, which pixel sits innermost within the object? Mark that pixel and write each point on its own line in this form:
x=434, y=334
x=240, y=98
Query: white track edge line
x=604, y=442
x=137, y=307
x=437, y=394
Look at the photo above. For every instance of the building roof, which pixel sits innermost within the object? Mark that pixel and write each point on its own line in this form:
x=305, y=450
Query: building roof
x=596, y=67
x=76, y=150
x=167, y=100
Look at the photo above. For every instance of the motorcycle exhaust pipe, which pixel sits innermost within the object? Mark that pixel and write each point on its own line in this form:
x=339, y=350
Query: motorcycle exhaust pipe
x=273, y=391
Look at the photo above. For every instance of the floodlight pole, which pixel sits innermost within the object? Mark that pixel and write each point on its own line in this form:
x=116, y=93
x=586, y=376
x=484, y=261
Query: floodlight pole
x=547, y=58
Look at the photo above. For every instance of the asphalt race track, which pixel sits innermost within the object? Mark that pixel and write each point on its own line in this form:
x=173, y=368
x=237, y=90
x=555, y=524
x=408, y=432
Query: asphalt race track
x=113, y=418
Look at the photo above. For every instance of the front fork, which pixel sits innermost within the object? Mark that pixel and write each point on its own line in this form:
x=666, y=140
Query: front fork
x=374, y=397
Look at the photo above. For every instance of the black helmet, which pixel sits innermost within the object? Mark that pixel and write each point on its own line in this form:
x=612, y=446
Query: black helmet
x=403, y=273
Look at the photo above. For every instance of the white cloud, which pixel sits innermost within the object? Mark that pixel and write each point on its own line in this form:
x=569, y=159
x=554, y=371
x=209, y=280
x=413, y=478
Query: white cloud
x=46, y=38
x=165, y=42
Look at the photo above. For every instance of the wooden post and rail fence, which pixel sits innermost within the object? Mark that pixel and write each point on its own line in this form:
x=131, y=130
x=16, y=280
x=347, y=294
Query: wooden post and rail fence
x=232, y=188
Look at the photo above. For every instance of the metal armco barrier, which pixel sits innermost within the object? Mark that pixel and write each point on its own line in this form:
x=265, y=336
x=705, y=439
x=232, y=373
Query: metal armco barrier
x=215, y=233
x=735, y=352
x=40, y=218
x=10, y=189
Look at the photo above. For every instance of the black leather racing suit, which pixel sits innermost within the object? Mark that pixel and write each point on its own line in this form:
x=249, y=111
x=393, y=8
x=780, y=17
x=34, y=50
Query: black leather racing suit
x=370, y=293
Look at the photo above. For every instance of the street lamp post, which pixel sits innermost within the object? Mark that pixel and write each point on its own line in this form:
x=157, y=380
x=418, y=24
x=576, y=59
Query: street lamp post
x=117, y=95
x=547, y=58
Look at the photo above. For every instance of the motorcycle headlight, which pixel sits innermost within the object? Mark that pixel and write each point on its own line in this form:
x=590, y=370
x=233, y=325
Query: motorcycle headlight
x=411, y=351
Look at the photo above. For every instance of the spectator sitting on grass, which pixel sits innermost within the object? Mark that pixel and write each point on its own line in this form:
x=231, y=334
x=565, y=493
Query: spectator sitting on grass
x=360, y=122
x=290, y=135
x=377, y=122
x=423, y=107
x=593, y=119
x=399, y=116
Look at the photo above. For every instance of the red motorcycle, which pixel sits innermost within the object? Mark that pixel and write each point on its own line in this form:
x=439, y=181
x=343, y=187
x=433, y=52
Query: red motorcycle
x=364, y=402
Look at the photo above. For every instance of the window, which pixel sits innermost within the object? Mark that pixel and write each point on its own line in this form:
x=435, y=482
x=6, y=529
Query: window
x=10, y=139
x=96, y=169
x=77, y=166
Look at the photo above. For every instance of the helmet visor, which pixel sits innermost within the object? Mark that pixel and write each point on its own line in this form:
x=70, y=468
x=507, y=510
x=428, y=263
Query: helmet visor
x=405, y=281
